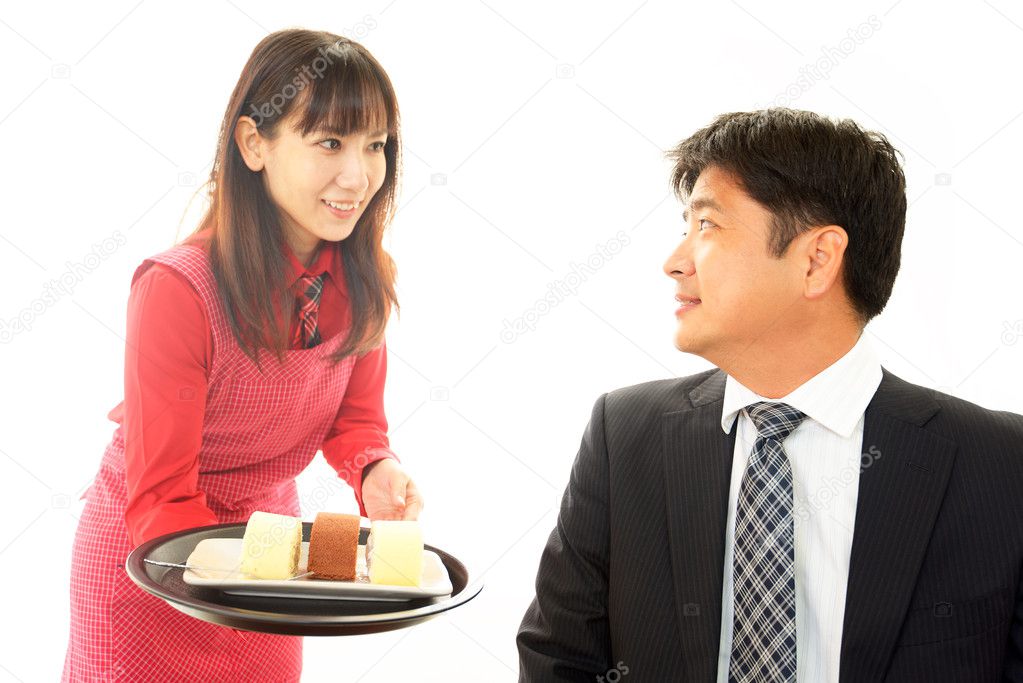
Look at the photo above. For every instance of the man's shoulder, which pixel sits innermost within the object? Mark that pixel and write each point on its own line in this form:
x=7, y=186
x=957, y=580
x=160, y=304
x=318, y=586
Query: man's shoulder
x=658, y=396
x=988, y=443
x=957, y=417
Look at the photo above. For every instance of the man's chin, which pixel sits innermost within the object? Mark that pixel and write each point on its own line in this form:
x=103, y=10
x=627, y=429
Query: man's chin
x=686, y=343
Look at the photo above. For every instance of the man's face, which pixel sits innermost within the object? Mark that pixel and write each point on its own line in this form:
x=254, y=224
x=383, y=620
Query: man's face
x=748, y=299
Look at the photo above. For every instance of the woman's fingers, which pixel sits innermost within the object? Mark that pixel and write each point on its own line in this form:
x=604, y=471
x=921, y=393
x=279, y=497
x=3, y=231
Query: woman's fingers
x=413, y=501
x=393, y=496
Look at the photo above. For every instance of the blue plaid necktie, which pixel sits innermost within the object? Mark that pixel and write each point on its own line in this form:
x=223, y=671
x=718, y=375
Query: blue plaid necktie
x=307, y=334
x=763, y=567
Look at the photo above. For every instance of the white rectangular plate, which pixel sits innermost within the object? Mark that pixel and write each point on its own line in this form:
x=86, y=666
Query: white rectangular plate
x=219, y=558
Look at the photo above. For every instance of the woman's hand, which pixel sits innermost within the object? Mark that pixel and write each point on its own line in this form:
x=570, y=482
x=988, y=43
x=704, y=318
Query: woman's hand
x=389, y=493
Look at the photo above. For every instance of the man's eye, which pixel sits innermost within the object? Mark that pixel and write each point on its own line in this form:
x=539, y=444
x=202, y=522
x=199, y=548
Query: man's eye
x=701, y=224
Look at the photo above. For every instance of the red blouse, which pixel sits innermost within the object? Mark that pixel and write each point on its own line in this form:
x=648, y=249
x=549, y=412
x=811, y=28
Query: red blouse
x=162, y=445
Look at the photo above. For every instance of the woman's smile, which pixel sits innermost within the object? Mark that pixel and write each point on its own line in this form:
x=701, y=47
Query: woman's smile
x=343, y=210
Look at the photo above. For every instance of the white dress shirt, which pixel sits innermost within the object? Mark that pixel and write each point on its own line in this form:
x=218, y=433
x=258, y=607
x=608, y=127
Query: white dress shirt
x=826, y=457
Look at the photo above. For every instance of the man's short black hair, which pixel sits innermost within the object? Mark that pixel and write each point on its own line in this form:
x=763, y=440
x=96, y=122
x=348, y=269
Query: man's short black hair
x=808, y=171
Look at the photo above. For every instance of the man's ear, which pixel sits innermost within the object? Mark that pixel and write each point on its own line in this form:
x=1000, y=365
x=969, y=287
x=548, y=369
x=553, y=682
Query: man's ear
x=250, y=143
x=825, y=251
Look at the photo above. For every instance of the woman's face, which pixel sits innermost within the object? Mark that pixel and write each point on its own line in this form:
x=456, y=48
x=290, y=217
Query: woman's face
x=321, y=182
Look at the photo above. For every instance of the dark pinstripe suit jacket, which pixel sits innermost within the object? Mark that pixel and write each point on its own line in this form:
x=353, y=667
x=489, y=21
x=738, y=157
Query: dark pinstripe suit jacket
x=629, y=585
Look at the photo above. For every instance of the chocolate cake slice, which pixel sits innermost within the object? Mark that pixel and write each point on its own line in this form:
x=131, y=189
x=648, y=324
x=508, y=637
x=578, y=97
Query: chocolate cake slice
x=333, y=546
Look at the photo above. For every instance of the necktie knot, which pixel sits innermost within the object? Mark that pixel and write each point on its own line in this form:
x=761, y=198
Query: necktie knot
x=312, y=286
x=774, y=420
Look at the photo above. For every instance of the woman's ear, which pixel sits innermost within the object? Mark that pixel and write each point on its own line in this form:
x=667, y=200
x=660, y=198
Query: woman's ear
x=250, y=143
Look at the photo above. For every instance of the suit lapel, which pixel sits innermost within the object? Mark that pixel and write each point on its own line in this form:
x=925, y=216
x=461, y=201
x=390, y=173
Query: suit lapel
x=903, y=476
x=697, y=469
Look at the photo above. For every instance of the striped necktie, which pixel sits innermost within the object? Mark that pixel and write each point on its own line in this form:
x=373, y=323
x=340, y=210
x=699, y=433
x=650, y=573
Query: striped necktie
x=763, y=567
x=307, y=335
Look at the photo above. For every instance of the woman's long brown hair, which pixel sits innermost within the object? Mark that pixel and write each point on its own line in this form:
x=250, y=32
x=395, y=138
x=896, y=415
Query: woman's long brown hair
x=332, y=84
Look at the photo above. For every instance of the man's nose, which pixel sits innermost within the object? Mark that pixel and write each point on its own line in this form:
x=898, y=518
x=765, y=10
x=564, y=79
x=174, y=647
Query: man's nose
x=679, y=263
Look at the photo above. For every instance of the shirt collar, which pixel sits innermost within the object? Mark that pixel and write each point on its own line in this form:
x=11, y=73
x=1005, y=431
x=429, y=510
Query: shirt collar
x=328, y=260
x=835, y=397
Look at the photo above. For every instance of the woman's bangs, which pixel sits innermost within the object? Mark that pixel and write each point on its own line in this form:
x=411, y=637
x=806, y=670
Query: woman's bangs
x=347, y=99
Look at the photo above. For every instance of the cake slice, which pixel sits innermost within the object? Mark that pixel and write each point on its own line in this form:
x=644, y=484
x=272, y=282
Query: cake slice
x=394, y=553
x=333, y=546
x=271, y=546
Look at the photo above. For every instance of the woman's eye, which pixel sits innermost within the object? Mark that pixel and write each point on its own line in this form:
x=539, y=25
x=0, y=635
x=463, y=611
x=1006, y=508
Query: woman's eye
x=375, y=146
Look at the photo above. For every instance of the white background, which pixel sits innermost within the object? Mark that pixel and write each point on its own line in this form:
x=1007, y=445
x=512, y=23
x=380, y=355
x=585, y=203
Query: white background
x=535, y=133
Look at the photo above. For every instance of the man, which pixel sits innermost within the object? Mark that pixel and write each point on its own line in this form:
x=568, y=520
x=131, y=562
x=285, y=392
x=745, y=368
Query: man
x=798, y=513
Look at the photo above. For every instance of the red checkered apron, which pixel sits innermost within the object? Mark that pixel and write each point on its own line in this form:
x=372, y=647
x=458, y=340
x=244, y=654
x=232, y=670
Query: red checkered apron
x=259, y=433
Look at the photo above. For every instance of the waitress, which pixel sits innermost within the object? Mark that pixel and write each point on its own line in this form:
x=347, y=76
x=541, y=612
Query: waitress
x=251, y=345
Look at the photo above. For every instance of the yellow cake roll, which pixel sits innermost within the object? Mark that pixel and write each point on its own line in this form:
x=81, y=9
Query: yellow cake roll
x=271, y=546
x=394, y=553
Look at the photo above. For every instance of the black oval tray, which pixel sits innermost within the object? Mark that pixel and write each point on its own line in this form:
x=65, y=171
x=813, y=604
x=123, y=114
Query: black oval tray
x=292, y=617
